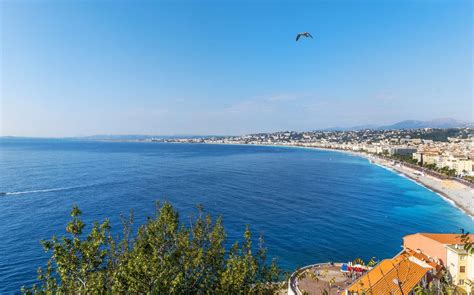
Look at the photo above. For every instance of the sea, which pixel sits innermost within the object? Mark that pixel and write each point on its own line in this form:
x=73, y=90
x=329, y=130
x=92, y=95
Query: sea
x=310, y=205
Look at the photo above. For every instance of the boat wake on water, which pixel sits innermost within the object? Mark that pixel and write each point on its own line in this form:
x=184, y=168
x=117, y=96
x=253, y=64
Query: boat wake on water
x=51, y=189
x=38, y=191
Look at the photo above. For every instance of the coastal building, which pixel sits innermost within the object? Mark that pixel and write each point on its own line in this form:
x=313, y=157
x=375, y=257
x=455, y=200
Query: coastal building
x=424, y=260
x=448, y=251
x=464, y=167
x=399, y=275
x=402, y=150
x=457, y=156
x=432, y=244
x=427, y=155
x=460, y=265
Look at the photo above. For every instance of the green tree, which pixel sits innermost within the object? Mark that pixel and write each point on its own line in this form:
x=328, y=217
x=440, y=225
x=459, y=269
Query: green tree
x=76, y=265
x=165, y=257
x=431, y=166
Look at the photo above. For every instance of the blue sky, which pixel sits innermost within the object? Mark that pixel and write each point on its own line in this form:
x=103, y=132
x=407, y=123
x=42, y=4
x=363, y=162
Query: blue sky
x=73, y=68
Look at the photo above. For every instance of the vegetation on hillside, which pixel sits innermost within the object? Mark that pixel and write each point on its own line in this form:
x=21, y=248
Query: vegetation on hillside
x=439, y=134
x=165, y=257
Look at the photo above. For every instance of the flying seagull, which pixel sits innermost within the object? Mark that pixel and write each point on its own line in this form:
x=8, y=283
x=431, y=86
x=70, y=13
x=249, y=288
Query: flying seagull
x=304, y=34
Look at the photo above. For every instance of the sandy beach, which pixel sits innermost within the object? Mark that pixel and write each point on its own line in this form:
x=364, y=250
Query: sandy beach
x=460, y=195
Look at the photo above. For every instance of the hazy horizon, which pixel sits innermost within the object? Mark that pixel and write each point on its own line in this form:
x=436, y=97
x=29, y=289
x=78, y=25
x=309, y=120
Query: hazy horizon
x=187, y=67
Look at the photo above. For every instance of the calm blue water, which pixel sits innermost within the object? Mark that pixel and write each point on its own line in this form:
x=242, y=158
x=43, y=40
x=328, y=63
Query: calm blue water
x=312, y=206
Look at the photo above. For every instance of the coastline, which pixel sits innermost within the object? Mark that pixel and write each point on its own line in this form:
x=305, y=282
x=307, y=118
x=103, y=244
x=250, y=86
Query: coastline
x=457, y=194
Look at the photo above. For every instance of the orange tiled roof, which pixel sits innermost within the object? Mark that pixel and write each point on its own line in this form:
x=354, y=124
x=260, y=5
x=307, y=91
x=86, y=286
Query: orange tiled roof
x=424, y=258
x=391, y=276
x=448, y=239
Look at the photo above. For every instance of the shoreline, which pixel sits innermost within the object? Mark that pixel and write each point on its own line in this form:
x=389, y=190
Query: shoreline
x=455, y=193
x=459, y=198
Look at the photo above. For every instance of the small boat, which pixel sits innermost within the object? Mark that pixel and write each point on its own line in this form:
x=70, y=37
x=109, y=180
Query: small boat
x=3, y=193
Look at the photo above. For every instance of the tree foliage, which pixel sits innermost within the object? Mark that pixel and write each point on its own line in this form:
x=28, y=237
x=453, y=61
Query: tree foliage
x=468, y=244
x=165, y=257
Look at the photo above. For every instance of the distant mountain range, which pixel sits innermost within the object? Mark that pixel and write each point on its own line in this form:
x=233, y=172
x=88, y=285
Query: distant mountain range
x=411, y=124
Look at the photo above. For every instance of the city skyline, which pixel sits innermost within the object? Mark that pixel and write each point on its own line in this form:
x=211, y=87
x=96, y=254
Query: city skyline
x=84, y=68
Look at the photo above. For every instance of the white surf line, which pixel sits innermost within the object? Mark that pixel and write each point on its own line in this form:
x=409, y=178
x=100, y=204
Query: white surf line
x=451, y=202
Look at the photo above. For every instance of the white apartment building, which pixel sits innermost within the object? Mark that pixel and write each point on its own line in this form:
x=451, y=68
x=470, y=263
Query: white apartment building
x=460, y=265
